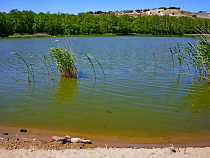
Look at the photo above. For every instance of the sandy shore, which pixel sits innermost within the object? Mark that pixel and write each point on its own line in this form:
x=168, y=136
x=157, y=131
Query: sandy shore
x=17, y=147
x=28, y=144
x=109, y=152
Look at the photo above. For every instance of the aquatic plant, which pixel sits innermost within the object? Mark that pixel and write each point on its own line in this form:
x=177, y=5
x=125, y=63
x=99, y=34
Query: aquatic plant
x=155, y=59
x=195, y=56
x=65, y=61
x=29, y=67
x=90, y=58
x=49, y=64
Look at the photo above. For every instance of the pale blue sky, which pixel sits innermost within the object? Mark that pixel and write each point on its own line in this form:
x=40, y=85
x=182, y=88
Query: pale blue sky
x=77, y=6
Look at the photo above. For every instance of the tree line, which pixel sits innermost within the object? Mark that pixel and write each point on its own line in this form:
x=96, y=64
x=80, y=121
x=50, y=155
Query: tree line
x=28, y=22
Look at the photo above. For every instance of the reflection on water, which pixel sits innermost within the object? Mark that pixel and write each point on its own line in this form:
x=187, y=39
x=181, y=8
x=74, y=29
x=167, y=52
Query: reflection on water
x=67, y=91
x=31, y=87
x=140, y=95
x=198, y=99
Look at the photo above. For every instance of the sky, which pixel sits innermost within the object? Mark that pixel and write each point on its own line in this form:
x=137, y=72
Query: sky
x=78, y=6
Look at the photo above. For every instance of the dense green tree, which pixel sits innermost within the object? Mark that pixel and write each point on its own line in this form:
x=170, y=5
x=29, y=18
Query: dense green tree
x=103, y=23
x=69, y=23
x=4, y=32
x=124, y=23
x=28, y=22
x=112, y=21
x=39, y=23
x=20, y=22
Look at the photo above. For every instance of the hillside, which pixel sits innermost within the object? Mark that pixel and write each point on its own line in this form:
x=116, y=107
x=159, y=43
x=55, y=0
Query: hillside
x=170, y=12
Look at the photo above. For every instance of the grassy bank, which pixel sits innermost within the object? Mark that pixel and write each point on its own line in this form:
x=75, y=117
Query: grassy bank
x=25, y=36
x=207, y=36
x=96, y=35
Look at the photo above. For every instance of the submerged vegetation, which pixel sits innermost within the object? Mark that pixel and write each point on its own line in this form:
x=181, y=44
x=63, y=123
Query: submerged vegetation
x=29, y=23
x=195, y=56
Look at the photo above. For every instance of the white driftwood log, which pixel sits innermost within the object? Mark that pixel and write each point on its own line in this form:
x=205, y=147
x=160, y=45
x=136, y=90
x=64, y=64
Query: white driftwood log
x=66, y=138
x=86, y=141
x=56, y=138
x=80, y=140
x=76, y=140
x=71, y=140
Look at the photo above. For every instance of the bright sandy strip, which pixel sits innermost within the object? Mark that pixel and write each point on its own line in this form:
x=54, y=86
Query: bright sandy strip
x=110, y=152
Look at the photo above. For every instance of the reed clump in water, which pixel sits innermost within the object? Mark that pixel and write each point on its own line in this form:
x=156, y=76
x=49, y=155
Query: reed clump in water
x=65, y=61
x=195, y=56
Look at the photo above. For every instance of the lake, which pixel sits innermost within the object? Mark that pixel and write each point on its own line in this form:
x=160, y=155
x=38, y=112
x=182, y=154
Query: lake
x=143, y=100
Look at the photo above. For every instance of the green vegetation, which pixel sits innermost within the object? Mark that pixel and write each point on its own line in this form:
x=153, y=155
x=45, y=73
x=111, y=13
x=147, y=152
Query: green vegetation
x=90, y=58
x=62, y=59
x=195, y=56
x=169, y=8
x=29, y=67
x=29, y=36
x=202, y=12
x=162, y=8
x=138, y=11
x=65, y=61
x=29, y=23
x=67, y=64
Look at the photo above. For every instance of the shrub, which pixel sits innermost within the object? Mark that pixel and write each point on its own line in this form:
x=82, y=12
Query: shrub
x=138, y=11
x=162, y=8
x=174, y=8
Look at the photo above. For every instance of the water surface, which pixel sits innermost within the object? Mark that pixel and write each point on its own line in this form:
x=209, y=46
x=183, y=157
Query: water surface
x=142, y=97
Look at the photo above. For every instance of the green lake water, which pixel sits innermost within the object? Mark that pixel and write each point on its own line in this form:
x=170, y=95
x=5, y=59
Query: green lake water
x=142, y=95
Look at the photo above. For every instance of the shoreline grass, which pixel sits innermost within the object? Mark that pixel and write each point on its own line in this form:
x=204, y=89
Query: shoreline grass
x=25, y=36
x=100, y=35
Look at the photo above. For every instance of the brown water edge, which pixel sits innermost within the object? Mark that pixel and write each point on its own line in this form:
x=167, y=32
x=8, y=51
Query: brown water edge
x=143, y=139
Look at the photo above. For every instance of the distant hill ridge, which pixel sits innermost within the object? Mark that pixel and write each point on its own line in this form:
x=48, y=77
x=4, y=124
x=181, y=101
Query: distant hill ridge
x=171, y=11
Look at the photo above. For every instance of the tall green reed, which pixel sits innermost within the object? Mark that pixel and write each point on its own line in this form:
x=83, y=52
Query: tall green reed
x=29, y=67
x=91, y=59
x=48, y=63
x=195, y=56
